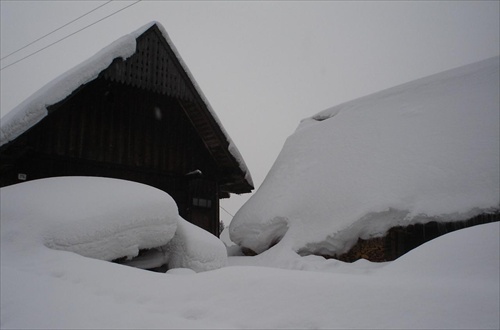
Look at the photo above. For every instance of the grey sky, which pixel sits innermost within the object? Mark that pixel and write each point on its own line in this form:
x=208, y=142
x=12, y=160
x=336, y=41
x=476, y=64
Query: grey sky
x=263, y=66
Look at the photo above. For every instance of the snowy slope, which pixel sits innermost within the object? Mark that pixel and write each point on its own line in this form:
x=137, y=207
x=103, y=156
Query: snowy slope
x=426, y=150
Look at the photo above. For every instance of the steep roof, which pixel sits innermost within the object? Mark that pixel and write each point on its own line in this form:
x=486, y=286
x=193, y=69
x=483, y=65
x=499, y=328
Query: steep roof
x=145, y=59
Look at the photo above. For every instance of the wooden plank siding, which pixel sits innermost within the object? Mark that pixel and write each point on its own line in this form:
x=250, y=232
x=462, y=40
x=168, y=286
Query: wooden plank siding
x=152, y=68
x=142, y=119
x=126, y=129
x=112, y=130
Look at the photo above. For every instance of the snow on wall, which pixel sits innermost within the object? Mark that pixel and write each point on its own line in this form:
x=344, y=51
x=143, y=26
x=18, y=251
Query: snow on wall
x=34, y=109
x=422, y=151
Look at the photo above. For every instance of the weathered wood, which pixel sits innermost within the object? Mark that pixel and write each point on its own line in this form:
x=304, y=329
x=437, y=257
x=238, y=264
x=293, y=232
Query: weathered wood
x=400, y=240
x=142, y=120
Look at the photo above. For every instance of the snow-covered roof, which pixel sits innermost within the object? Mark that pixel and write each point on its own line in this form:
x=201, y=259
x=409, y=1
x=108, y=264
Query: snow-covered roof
x=427, y=150
x=33, y=109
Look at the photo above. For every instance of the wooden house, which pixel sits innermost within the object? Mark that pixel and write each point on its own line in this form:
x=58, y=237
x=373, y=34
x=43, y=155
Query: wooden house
x=400, y=240
x=139, y=117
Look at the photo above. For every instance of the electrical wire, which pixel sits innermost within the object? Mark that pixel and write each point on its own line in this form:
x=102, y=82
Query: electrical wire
x=226, y=211
x=70, y=35
x=76, y=19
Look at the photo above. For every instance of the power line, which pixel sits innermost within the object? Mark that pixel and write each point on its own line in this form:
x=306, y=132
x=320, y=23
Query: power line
x=76, y=19
x=226, y=211
x=55, y=42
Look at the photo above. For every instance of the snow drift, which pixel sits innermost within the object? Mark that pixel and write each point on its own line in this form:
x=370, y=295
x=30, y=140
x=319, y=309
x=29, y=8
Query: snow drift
x=456, y=288
x=191, y=248
x=195, y=248
x=99, y=218
x=423, y=151
x=104, y=219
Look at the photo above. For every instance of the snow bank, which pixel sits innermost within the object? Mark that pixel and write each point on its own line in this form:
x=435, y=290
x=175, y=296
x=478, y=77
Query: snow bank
x=232, y=248
x=190, y=248
x=456, y=289
x=448, y=259
x=100, y=218
x=105, y=219
x=195, y=248
x=423, y=151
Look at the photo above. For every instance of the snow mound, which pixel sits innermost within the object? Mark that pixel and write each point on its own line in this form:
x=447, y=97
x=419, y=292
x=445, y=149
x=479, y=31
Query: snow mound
x=423, y=151
x=459, y=291
x=224, y=237
x=232, y=248
x=191, y=248
x=194, y=248
x=444, y=257
x=100, y=218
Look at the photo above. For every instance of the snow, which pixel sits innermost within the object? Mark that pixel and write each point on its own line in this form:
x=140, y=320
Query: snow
x=95, y=217
x=450, y=282
x=195, y=248
x=424, y=151
x=34, y=109
x=231, y=248
x=105, y=219
x=191, y=248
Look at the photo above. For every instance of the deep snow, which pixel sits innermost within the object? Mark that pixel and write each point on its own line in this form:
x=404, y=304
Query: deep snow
x=424, y=151
x=195, y=248
x=105, y=219
x=101, y=218
x=450, y=282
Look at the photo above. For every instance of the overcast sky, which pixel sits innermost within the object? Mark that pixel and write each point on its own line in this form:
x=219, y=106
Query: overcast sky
x=263, y=66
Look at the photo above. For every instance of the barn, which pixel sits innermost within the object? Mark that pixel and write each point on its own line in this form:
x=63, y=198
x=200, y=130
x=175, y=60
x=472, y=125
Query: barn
x=133, y=111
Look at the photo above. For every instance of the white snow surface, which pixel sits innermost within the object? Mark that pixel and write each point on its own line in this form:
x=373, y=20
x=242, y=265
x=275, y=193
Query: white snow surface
x=451, y=282
x=195, y=248
x=105, y=219
x=100, y=218
x=191, y=248
x=422, y=151
x=34, y=108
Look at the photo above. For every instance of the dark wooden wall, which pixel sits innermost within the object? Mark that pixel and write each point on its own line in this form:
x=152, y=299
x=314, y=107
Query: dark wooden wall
x=400, y=240
x=154, y=67
x=119, y=124
x=112, y=130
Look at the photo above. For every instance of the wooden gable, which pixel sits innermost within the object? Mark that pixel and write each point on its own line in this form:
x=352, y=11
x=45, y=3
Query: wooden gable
x=142, y=119
x=155, y=67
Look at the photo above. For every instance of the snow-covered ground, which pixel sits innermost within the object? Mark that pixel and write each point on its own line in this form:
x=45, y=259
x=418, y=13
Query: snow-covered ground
x=450, y=282
x=428, y=150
